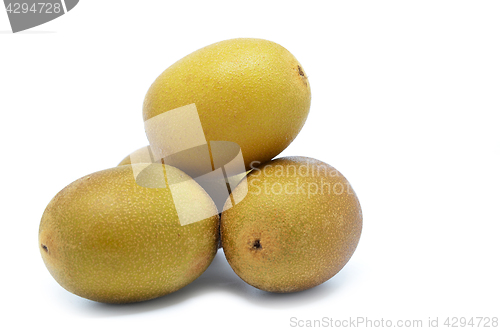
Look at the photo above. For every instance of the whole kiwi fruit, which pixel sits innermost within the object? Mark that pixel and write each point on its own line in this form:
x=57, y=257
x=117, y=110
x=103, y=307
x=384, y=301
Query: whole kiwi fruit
x=297, y=226
x=249, y=91
x=115, y=236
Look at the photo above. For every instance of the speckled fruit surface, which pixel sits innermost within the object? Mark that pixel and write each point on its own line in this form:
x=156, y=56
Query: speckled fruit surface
x=107, y=239
x=297, y=226
x=252, y=92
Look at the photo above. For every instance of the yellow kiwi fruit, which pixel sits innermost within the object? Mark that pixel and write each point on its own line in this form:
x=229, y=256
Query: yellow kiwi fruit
x=295, y=228
x=252, y=92
x=115, y=236
x=141, y=155
x=212, y=185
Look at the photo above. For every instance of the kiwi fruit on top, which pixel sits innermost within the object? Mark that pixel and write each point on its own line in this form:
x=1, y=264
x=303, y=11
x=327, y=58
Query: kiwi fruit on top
x=249, y=91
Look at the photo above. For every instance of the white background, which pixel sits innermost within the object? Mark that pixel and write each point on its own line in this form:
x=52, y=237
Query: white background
x=405, y=103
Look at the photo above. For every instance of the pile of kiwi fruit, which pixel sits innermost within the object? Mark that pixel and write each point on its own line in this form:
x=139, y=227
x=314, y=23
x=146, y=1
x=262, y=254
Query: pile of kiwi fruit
x=292, y=223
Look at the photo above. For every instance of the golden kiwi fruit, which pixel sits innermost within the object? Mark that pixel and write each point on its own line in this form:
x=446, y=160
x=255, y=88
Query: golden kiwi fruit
x=106, y=238
x=252, y=92
x=141, y=155
x=297, y=226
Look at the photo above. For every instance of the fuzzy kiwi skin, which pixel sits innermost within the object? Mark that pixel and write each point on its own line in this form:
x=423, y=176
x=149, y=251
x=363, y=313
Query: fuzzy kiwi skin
x=107, y=239
x=249, y=91
x=294, y=240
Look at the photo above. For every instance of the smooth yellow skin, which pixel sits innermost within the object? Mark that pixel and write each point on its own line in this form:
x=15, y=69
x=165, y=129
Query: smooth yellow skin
x=107, y=239
x=284, y=237
x=252, y=92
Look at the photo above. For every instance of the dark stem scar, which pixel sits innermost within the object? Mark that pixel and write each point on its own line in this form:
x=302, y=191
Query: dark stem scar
x=45, y=248
x=302, y=74
x=300, y=71
x=256, y=244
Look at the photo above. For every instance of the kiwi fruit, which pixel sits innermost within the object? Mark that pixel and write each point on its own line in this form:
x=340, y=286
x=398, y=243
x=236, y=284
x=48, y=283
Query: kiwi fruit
x=116, y=236
x=216, y=184
x=152, y=225
x=252, y=92
x=295, y=228
x=141, y=155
